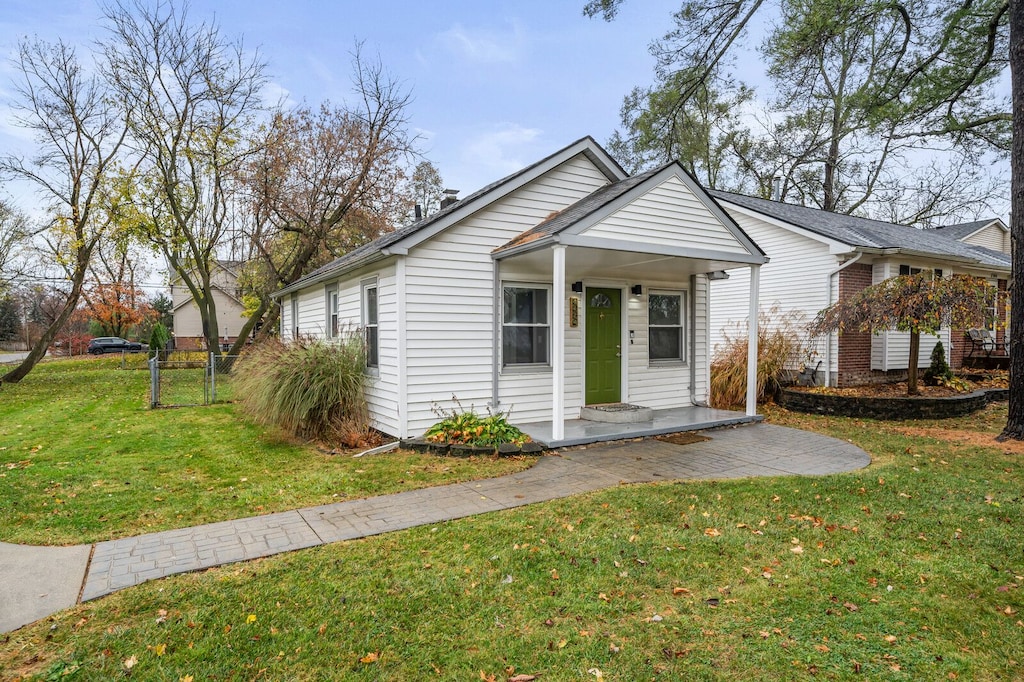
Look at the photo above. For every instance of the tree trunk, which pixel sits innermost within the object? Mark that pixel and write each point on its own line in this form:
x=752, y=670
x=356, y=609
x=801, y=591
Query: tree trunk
x=38, y=351
x=915, y=353
x=1015, y=416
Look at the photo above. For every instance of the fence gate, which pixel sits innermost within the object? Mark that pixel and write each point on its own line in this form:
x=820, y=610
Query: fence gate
x=184, y=380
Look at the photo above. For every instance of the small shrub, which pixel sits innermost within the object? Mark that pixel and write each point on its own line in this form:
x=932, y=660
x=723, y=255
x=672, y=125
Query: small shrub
x=466, y=427
x=309, y=387
x=158, y=339
x=779, y=346
x=938, y=372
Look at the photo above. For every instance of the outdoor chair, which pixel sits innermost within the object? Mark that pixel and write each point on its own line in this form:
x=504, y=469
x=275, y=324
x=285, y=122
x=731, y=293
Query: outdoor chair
x=984, y=342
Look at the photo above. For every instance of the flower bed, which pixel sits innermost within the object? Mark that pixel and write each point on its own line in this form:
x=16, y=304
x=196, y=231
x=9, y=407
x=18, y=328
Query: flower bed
x=817, y=401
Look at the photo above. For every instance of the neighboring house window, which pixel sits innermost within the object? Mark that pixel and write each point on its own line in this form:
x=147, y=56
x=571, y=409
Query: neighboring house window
x=525, y=326
x=331, y=302
x=666, y=337
x=370, y=324
x=907, y=270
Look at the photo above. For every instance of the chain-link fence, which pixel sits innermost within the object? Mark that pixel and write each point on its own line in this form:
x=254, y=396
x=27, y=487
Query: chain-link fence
x=187, y=379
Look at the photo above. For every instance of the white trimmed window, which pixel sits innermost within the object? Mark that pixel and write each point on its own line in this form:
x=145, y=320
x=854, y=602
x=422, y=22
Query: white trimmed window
x=525, y=325
x=666, y=331
x=370, y=324
x=331, y=304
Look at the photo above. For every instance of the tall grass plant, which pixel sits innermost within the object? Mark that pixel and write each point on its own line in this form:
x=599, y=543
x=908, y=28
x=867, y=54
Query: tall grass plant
x=309, y=387
x=781, y=345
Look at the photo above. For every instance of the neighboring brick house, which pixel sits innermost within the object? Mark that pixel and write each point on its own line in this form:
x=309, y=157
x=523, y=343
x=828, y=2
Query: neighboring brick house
x=188, y=324
x=817, y=257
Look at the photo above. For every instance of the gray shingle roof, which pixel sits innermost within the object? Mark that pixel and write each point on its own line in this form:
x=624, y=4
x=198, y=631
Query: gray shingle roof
x=863, y=233
x=961, y=230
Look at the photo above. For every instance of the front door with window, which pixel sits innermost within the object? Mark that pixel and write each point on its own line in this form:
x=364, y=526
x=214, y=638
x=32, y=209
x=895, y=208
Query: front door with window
x=603, y=346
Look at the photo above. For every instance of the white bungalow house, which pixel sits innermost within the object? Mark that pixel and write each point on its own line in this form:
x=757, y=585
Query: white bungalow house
x=817, y=257
x=564, y=285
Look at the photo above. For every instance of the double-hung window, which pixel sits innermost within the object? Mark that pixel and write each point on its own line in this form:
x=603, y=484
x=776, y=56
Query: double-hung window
x=370, y=324
x=666, y=315
x=331, y=296
x=525, y=325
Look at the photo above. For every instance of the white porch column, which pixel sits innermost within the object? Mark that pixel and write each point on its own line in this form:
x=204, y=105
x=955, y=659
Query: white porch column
x=558, y=343
x=755, y=279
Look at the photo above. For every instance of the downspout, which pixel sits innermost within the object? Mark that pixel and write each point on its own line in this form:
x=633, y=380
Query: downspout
x=828, y=302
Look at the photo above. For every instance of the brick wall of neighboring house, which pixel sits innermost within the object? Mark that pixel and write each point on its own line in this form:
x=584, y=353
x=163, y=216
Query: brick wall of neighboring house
x=961, y=346
x=854, y=346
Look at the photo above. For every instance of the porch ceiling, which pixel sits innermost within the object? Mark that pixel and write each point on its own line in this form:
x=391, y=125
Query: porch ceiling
x=582, y=262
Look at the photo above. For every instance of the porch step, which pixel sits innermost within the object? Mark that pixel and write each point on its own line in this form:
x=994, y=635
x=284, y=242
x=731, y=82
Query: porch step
x=616, y=413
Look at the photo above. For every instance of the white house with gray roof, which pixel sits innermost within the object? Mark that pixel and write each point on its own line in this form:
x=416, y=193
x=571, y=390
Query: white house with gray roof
x=818, y=256
x=567, y=284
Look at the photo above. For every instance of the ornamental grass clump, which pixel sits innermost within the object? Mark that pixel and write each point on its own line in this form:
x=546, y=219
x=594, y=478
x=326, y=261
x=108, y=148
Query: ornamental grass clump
x=310, y=388
x=779, y=347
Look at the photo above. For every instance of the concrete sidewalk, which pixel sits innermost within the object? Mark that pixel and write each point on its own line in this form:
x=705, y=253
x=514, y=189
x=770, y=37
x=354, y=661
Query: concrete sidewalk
x=37, y=581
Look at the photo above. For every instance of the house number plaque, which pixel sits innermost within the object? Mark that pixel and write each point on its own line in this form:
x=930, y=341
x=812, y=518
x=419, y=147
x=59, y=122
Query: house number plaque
x=574, y=311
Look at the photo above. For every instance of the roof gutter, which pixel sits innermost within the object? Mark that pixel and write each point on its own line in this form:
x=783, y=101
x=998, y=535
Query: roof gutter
x=334, y=274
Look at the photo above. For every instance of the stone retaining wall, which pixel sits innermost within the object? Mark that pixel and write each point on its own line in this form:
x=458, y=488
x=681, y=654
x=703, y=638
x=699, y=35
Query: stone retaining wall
x=890, y=408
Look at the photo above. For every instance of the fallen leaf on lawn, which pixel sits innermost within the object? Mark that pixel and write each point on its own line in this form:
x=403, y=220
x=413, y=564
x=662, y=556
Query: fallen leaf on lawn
x=522, y=678
x=371, y=657
x=603, y=597
x=554, y=574
x=186, y=678
x=680, y=590
x=850, y=606
x=487, y=678
x=891, y=639
x=797, y=550
x=596, y=673
x=562, y=643
x=250, y=619
x=764, y=634
x=861, y=637
x=160, y=649
x=712, y=532
x=130, y=662
x=822, y=648
x=1009, y=611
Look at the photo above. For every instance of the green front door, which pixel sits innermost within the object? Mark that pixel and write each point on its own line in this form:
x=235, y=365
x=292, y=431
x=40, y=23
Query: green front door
x=604, y=351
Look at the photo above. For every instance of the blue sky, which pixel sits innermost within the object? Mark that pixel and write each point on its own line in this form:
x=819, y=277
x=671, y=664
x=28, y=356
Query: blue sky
x=496, y=84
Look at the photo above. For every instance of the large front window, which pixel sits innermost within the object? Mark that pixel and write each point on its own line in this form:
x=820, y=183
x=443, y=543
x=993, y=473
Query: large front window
x=665, y=326
x=526, y=326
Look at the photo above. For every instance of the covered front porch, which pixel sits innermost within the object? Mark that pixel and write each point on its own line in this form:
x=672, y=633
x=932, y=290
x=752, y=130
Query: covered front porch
x=673, y=420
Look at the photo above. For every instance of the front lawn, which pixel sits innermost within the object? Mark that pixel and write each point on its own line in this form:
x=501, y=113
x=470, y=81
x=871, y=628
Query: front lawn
x=908, y=570
x=83, y=458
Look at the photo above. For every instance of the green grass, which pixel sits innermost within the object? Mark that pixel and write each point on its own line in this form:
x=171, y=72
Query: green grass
x=83, y=458
x=911, y=569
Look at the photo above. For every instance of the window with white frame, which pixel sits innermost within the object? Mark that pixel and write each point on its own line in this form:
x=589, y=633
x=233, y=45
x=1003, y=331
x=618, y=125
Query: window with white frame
x=525, y=325
x=666, y=331
x=331, y=304
x=370, y=324
x=295, y=316
x=908, y=270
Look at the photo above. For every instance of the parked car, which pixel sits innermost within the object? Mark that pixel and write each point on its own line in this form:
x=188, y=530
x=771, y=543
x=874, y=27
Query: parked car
x=114, y=344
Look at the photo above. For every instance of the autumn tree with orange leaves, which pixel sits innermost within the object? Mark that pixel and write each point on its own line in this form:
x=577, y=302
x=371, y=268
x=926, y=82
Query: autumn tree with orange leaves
x=919, y=304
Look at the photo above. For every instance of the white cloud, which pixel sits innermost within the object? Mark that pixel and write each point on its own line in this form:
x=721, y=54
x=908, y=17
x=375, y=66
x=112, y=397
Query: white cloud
x=484, y=45
x=496, y=153
x=275, y=95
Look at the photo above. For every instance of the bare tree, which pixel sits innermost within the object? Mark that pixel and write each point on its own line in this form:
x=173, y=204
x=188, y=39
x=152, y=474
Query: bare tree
x=13, y=233
x=326, y=181
x=196, y=95
x=80, y=135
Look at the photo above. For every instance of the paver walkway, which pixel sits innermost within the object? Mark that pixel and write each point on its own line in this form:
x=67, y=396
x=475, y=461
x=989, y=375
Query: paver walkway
x=26, y=594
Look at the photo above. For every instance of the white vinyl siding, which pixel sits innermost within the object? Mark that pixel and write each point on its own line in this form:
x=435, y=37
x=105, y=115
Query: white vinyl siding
x=668, y=215
x=991, y=237
x=450, y=284
x=794, y=283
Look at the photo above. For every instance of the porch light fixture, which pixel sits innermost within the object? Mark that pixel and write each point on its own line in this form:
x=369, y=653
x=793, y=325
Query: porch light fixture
x=636, y=290
x=718, y=275
x=577, y=287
